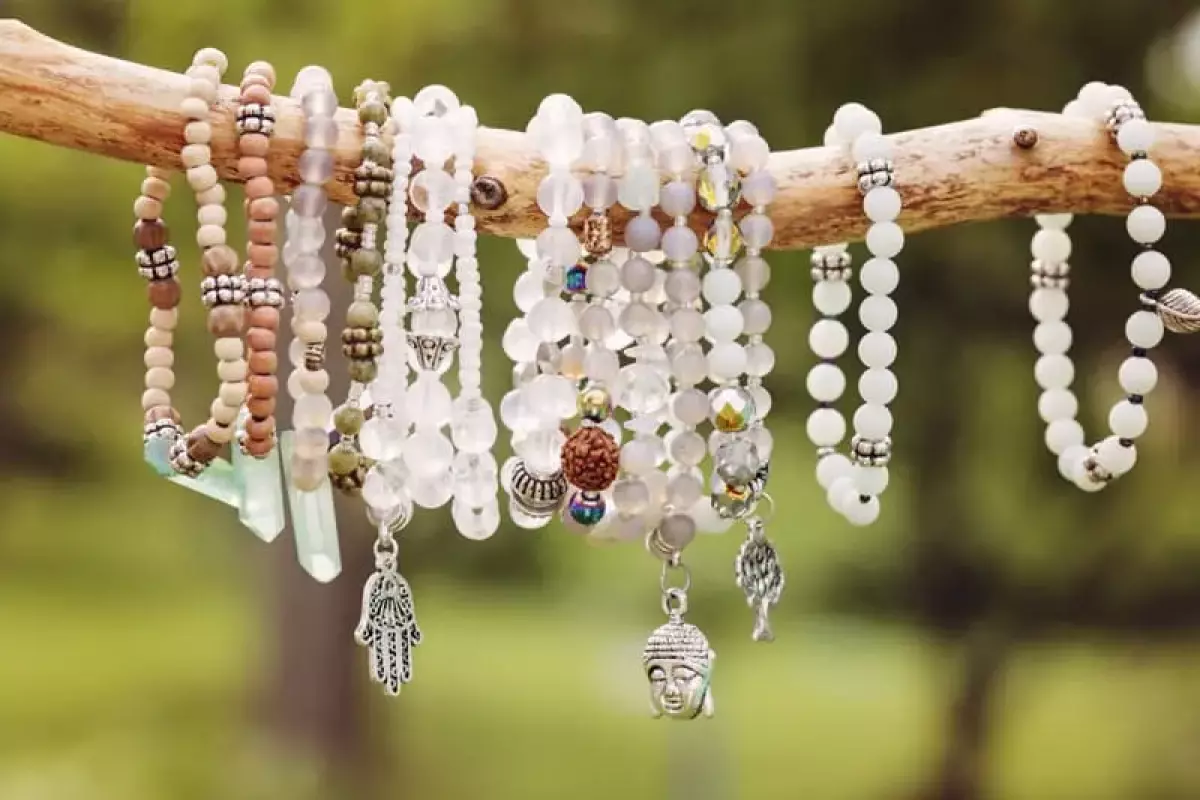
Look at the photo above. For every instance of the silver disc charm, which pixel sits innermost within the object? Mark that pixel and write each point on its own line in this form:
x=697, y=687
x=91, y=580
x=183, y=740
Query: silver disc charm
x=388, y=625
x=760, y=576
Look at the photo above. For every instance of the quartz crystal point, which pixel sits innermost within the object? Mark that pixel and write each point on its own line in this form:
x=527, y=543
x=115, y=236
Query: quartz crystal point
x=218, y=481
x=314, y=521
x=261, y=502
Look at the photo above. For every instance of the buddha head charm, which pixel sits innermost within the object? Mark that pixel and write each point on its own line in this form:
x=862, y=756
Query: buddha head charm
x=678, y=662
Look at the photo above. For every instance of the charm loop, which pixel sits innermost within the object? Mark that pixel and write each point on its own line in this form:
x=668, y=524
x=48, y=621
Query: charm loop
x=664, y=580
x=674, y=602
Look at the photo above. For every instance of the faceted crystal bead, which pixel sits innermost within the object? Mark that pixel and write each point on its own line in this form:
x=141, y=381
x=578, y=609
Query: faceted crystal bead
x=385, y=492
x=432, y=191
x=429, y=402
x=432, y=492
x=382, y=438
x=428, y=453
x=731, y=409
x=218, y=481
x=476, y=523
x=722, y=241
x=542, y=450
x=718, y=187
x=646, y=390
x=260, y=506
x=432, y=142
x=475, y=478
x=560, y=195
x=473, y=425
x=313, y=521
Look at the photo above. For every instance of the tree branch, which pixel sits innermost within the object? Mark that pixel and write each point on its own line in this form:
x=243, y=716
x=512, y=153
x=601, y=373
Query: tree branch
x=960, y=172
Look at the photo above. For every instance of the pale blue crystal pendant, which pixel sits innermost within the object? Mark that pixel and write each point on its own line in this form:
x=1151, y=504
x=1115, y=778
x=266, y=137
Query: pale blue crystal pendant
x=218, y=481
x=313, y=520
x=260, y=505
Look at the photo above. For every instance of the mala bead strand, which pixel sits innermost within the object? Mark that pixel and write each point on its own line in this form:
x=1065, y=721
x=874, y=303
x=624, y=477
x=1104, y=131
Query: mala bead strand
x=308, y=383
x=264, y=294
x=855, y=492
x=1091, y=468
x=362, y=262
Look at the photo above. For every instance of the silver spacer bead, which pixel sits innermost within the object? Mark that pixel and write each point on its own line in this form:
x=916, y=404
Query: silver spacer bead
x=535, y=494
x=871, y=452
x=264, y=292
x=255, y=118
x=431, y=353
x=1121, y=112
x=432, y=294
x=223, y=290
x=1049, y=275
x=156, y=265
x=875, y=173
x=831, y=265
x=181, y=462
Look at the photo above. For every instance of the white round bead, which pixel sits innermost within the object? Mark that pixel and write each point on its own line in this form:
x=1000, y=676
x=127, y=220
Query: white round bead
x=878, y=312
x=1116, y=457
x=877, y=350
x=1135, y=136
x=727, y=360
x=832, y=467
x=1063, y=433
x=869, y=146
x=1146, y=224
x=723, y=323
x=1137, y=375
x=1071, y=460
x=882, y=204
x=885, y=239
x=831, y=297
x=878, y=386
x=1142, y=178
x=1054, y=372
x=1083, y=481
x=828, y=338
x=1055, y=404
x=853, y=120
x=1051, y=246
x=1128, y=420
x=871, y=480
x=1052, y=337
x=825, y=383
x=825, y=427
x=860, y=513
x=1048, y=304
x=841, y=494
x=1151, y=270
x=721, y=286
x=872, y=421
x=1144, y=329
x=879, y=276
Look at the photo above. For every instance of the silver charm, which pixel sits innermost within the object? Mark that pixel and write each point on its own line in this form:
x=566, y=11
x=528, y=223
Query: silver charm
x=678, y=661
x=1178, y=309
x=388, y=625
x=432, y=353
x=760, y=576
x=432, y=294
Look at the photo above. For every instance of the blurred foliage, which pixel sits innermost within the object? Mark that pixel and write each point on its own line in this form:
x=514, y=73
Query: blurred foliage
x=994, y=618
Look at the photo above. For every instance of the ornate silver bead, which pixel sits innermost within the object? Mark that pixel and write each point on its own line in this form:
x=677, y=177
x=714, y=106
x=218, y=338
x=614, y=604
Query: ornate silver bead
x=539, y=495
x=432, y=353
x=1178, y=309
x=1121, y=112
x=874, y=173
x=156, y=265
x=1050, y=275
x=871, y=452
x=831, y=265
x=264, y=292
x=181, y=462
x=255, y=118
x=432, y=294
x=223, y=290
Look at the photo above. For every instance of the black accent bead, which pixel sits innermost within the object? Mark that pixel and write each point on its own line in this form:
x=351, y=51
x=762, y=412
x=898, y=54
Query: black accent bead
x=1136, y=399
x=864, y=498
x=1140, y=352
x=1153, y=294
x=823, y=404
x=1125, y=442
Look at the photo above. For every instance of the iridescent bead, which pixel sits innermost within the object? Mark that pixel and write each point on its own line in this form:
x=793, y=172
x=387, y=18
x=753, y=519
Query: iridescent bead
x=586, y=508
x=731, y=409
x=595, y=404
x=723, y=240
x=737, y=462
x=577, y=279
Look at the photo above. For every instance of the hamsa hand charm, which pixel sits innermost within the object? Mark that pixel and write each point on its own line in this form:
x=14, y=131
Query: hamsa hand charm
x=760, y=576
x=388, y=627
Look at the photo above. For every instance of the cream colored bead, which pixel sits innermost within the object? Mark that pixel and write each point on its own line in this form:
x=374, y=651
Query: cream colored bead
x=221, y=434
x=210, y=235
x=212, y=215
x=223, y=414
x=212, y=57
x=294, y=389
x=204, y=72
x=233, y=394
x=156, y=188
x=147, y=208
x=159, y=357
x=198, y=132
x=213, y=196
x=310, y=331
x=153, y=398
x=164, y=319
x=205, y=90
x=195, y=155
x=158, y=172
x=202, y=178
x=157, y=337
x=232, y=371
x=194, y=108
x=262, y=68
x=313, y=382
x=160, y=378
x=229, y=348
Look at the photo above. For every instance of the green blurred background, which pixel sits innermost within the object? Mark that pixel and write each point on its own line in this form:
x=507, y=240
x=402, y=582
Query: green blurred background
x=996, y=635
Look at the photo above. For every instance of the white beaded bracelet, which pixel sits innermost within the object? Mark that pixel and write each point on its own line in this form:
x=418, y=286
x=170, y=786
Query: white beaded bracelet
x=1091, y=468
x=853, y=484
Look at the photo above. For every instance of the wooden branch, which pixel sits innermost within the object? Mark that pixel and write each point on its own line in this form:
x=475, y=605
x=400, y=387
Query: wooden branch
x=960, y=172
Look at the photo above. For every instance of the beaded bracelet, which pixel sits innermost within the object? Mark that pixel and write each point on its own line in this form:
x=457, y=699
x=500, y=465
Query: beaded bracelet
x=358, y=246
x=853, y=487
x=1091, y=468
x=167, y=447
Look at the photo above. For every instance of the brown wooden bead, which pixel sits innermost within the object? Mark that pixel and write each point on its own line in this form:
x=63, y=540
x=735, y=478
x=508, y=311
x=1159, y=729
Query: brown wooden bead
x=164, y=293
x=251, y=168
x=261, y=231
x=200, y=447
x=260, y=186
x=159, y=413
x=591, y=459
x=258, y=447
x=219, y=260
x=263, y=362
x=252, y=271
x=226, y=321
x=255, y=93
x=264, y=208
x=263, y=317
x=260, y=428
x=260, y=339
x=263, y=255
x=264, y=386
x=256, y=145
x=150, y=234
x=254, y=79
x=260, y=407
